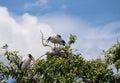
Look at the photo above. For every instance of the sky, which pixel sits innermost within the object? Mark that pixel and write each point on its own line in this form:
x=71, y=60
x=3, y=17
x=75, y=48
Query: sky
x=96, y=23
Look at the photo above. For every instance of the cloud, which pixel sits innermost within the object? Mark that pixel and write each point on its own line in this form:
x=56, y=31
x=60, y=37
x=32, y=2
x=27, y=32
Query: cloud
x=38, y=3
x=91, y=40
x=22, y=33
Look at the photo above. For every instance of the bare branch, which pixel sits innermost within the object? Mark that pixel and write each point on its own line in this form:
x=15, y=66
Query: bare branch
x=44, y=44
x=41, y=57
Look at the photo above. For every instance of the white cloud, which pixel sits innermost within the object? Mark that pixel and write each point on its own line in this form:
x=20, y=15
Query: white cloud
x=91, y=40
x=38, y=3
x=24, y=34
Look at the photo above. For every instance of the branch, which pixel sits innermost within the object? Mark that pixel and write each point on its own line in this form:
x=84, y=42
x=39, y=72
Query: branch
x=41, y=57
x=43, y=40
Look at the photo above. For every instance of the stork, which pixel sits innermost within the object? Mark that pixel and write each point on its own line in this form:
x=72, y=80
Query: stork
x=26, y=61
x=56, y=39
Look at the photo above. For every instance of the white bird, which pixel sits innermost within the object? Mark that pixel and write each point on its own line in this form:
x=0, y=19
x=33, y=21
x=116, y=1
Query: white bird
x=56, y=39
x=26, y=61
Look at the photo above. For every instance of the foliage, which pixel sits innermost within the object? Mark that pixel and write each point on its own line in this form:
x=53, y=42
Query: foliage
x=61, y=65
x=113, y=55
x=97, y=71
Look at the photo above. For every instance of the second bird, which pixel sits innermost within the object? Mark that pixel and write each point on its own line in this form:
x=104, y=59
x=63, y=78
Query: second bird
x=56, y=39
x=26, y=61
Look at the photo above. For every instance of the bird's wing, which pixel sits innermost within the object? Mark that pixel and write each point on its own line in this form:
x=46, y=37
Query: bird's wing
x=59, y=35
x=25, y=63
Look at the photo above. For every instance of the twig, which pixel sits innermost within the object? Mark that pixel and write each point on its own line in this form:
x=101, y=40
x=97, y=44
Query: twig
x=44, y=44
x=41, y=56
x=44, y=39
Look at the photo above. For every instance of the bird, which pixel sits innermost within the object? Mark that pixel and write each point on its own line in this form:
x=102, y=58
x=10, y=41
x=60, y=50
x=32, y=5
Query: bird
x=26, y=61
x=56, y=39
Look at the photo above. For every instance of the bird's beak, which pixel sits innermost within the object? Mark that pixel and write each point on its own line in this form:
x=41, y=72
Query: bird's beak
x=48, y=39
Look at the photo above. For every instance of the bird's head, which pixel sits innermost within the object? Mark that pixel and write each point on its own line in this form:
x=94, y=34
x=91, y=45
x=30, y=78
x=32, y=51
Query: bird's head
x=49, y=38
x=30, y=56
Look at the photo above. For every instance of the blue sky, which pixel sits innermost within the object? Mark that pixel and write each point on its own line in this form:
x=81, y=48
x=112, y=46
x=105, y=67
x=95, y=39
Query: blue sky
x=92, y=21
x=91, y=10
x=96, y=23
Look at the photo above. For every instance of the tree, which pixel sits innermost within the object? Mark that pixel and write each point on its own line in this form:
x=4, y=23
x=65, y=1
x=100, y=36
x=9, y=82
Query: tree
x=62, y=65
x=112, y=56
